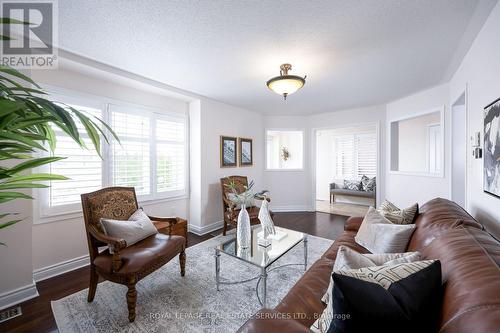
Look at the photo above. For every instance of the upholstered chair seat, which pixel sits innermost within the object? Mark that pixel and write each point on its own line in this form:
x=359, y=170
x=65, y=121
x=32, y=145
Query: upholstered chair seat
x=139, y=258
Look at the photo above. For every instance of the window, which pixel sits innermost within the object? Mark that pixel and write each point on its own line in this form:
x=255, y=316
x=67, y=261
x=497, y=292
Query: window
x=170, y=155
x=356, y=155
x=130, y=158
x=82, y=166
x=151, y=156
x=284, y=149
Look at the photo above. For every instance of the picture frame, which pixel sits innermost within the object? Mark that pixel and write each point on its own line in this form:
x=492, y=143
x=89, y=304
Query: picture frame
x=228, y=151
x=491, y=141
x=245, y=152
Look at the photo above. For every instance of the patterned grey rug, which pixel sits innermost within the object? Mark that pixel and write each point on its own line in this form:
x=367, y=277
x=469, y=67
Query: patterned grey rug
x=167, y=302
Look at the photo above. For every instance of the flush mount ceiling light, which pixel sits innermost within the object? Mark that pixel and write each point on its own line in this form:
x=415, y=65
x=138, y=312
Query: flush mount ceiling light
x=286, y=84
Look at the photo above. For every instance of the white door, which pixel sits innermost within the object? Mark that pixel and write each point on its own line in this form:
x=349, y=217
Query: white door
x=459, y=154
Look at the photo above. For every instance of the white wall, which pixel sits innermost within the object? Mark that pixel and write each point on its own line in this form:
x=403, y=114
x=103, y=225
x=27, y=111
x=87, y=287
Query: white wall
x=480, y=71
x=325, y=163
x=218, y=119
x=404, y=190
x=290, y=189
x=413, y=142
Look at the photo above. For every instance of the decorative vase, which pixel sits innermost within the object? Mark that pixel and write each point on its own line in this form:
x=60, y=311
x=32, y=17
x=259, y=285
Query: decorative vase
x=243, y=230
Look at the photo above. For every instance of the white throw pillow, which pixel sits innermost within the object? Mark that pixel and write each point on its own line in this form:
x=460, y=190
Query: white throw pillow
x=348, y=259
x=379, y=235
x=138, y=227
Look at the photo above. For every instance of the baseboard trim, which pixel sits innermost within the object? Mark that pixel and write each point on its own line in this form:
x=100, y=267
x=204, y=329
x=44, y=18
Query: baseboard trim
x=60, y=268
x=203, y=230
x=296, y=208
x=18, y=295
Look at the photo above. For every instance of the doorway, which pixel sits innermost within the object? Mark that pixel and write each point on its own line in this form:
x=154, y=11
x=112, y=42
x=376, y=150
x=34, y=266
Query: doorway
x=459, y=151
x=343, y=157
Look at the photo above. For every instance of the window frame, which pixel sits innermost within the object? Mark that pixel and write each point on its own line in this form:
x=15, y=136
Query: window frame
x=44, y=213
x=303, y=131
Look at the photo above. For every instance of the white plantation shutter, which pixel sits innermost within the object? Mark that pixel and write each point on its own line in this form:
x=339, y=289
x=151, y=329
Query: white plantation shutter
x=83, y=167
x=130, y=158
x=356, y=155
x=366, y=149
x=170, y=154
x=345, y=156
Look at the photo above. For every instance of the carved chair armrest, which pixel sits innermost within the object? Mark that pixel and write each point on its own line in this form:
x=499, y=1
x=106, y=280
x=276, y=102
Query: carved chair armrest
x=228, y=202
x=171, y=220
x=115, y=243
x=168, y=222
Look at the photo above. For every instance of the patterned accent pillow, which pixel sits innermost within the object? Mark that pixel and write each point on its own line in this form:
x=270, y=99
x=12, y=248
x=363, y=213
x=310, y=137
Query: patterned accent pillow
x=347, y=259
x=396, y=215
x=379, y=235
x=401, y=298
x=368, y=184
x=352, y=185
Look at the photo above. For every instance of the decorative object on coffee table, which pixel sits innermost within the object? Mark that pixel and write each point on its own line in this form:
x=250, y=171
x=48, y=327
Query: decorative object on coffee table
x=246, y=152
x=242, y=198
x=267, y=224
x=492, y=148
x=228, y=151
x=230, y=209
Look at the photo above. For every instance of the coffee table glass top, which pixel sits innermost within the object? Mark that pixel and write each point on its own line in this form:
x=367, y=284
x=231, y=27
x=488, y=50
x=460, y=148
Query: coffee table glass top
x=262, y=256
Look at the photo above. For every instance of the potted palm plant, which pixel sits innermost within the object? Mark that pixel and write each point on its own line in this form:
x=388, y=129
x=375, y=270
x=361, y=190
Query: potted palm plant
x=27, y=119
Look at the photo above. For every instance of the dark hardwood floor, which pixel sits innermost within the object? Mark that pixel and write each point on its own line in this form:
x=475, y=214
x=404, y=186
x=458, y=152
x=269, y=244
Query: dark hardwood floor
x=37, y=313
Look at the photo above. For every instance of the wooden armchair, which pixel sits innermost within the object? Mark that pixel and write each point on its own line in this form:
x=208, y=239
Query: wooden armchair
x=229, y=208
x=127, y=265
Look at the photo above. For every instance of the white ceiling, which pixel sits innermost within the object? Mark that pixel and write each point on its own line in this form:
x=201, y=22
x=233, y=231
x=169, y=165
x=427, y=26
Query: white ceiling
x=355, y=53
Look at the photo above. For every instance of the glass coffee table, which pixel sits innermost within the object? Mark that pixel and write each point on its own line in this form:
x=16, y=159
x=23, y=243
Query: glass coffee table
x=261, y=257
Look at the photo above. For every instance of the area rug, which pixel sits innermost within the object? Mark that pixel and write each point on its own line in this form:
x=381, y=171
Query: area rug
x=167, y=302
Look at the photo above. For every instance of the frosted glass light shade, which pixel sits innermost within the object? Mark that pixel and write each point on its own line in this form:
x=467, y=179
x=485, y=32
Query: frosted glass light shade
x=286, y=84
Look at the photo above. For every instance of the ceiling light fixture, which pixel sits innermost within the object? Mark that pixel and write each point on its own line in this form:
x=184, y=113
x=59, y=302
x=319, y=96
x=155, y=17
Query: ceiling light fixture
x=285, y=84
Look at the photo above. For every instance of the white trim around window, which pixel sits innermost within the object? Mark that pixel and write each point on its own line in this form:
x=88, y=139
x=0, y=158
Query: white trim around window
x=45, y=212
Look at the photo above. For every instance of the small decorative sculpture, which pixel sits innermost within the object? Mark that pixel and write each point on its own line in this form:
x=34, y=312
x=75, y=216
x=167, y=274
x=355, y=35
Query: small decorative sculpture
x=267, y=223
x=285, y=154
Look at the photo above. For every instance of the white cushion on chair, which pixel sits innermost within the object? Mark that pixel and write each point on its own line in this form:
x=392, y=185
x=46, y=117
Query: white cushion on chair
x=138, y=227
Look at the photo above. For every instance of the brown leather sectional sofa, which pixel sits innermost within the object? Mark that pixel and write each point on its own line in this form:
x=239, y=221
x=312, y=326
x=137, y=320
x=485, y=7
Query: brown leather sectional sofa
x=470, y=260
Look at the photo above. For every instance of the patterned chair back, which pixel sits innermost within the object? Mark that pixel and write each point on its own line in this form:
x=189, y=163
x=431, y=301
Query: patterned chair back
x=240, y=182
x=117, y=203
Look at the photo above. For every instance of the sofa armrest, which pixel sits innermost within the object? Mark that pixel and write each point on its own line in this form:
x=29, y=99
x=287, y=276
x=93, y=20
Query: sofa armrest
x=268, y=320
x=353, y=223
x=332, y=186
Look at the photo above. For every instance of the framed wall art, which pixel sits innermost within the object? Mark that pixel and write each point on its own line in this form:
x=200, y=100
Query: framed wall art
x=491, y=160
x=246, y=152
x=228, y=151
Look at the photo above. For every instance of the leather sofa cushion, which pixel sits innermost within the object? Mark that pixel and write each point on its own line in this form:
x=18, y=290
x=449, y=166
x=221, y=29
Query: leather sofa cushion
x=469, y=259
x=436, y=218
x=305, y=296
x=139, y=256
x=353, y=223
